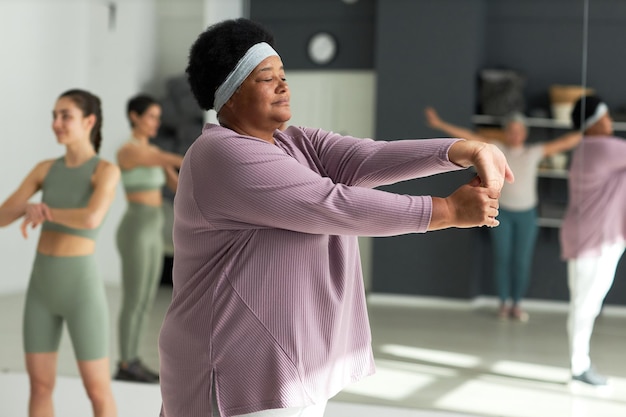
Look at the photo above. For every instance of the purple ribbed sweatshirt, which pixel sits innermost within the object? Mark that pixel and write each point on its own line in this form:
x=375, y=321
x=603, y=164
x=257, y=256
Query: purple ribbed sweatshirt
x=268, y=306
x=596, y=211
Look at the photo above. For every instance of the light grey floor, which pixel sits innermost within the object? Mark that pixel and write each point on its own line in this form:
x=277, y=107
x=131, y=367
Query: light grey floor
x=445, y=357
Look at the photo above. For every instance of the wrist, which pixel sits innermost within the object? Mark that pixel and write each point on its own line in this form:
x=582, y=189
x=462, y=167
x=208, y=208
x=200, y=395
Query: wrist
x=441, y=216
x=463, y=153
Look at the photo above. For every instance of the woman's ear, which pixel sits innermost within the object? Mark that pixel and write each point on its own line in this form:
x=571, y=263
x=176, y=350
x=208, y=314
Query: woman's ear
x=133, y=116
x=90, y=121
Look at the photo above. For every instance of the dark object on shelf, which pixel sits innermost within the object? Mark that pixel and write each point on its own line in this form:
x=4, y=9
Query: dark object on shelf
x=501, y=92
x=181, y=120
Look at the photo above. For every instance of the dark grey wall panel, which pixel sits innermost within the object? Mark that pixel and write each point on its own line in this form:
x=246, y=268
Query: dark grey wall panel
x=542, y=39
x=427, y=54
x=452, y=41
x=606, y=64
x=293, y=22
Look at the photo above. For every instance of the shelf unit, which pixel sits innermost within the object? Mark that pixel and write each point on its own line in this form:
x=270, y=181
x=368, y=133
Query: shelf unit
x=540, y=122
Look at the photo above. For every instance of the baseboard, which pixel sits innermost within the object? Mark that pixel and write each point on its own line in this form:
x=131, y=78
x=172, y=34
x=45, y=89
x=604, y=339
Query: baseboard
x=417, y=301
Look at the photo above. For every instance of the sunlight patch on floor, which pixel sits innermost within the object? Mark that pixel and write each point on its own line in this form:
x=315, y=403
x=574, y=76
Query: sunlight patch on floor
x=441, y=357
x=531, y=371
x=390, y=384
x=496, y=396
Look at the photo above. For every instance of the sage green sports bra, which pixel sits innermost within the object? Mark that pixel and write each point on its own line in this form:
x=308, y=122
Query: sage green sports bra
x=69, y=188
x=143, y=178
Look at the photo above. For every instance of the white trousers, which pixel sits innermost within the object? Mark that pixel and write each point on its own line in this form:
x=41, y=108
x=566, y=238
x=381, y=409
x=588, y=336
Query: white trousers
x=589, y=280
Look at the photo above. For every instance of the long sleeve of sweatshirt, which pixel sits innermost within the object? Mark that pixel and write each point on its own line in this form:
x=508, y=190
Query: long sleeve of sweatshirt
x=313, y=181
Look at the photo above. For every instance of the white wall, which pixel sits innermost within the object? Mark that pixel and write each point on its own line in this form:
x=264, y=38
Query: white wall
x=47, y=48
x=341, y=101
x=70, y=43
x=178, y=24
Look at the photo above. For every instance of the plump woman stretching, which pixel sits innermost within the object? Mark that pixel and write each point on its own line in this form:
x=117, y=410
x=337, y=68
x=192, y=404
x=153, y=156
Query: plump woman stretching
x=65, y=286
x=145, y=170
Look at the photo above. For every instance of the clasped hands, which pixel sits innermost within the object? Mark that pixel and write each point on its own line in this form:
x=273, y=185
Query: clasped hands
x=476, y=203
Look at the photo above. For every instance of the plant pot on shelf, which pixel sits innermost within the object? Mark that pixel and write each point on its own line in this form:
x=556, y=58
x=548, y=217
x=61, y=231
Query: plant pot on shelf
x=563, y=98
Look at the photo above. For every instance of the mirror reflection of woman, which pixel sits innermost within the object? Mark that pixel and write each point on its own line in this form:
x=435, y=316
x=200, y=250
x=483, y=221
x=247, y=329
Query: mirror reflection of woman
x=593, y=234
x=513, y=242
x=145, y=170
x=65, y=286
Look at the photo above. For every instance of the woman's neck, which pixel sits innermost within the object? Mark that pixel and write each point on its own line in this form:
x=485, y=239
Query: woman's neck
x=140, y=137
x=78, y=154
x=266, y=134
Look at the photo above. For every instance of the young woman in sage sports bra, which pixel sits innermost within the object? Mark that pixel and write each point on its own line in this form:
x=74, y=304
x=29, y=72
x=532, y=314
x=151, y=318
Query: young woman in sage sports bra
x=65, y=287
x=145, y=170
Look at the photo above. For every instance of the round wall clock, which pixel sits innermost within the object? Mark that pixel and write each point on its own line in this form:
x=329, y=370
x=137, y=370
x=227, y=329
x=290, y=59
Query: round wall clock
x=322, y=48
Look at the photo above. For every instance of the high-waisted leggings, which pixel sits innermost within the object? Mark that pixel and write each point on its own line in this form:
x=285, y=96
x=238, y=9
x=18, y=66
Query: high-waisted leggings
x=66, y=289
x=513, y=244
x=140, y=244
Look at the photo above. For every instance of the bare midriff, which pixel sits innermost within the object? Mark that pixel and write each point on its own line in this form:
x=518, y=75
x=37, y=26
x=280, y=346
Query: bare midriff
x=149, y=198
x=54, y=243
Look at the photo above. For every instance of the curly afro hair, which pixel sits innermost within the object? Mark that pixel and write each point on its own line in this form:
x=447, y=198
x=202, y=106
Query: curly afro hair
x=217, y=51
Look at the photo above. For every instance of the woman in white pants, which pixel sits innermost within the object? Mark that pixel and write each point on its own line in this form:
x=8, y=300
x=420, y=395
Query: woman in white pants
x=593, y=235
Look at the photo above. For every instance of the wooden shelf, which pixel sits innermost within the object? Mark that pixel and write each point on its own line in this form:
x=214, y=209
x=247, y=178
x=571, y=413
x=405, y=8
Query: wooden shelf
x=549, y=222
x=552, y=173
x=538, y=122
x=530, y=121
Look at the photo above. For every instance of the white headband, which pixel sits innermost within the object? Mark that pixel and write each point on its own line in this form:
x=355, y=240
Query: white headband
x=253, y=57
x=601, y=110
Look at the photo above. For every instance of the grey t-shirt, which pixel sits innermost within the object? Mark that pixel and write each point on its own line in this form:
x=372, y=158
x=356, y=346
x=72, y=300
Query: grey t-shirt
x=524, y=161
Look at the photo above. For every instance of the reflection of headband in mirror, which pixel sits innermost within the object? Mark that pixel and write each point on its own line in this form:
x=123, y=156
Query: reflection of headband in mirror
x=594, y=109
x=600, y=111
x=253, y=57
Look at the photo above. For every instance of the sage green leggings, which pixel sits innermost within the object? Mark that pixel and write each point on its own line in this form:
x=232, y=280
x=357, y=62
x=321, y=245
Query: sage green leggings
x=140, y=244
x=66, y=289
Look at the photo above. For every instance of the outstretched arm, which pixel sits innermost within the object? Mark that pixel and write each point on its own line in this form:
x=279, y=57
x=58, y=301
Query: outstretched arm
x=17, y=204
x=105, y=181
x=131, y=156
x=434, y=121
x=562, y=143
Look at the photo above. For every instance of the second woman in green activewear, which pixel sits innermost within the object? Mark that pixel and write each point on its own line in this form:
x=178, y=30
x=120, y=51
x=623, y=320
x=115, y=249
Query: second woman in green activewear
x=145, y=170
